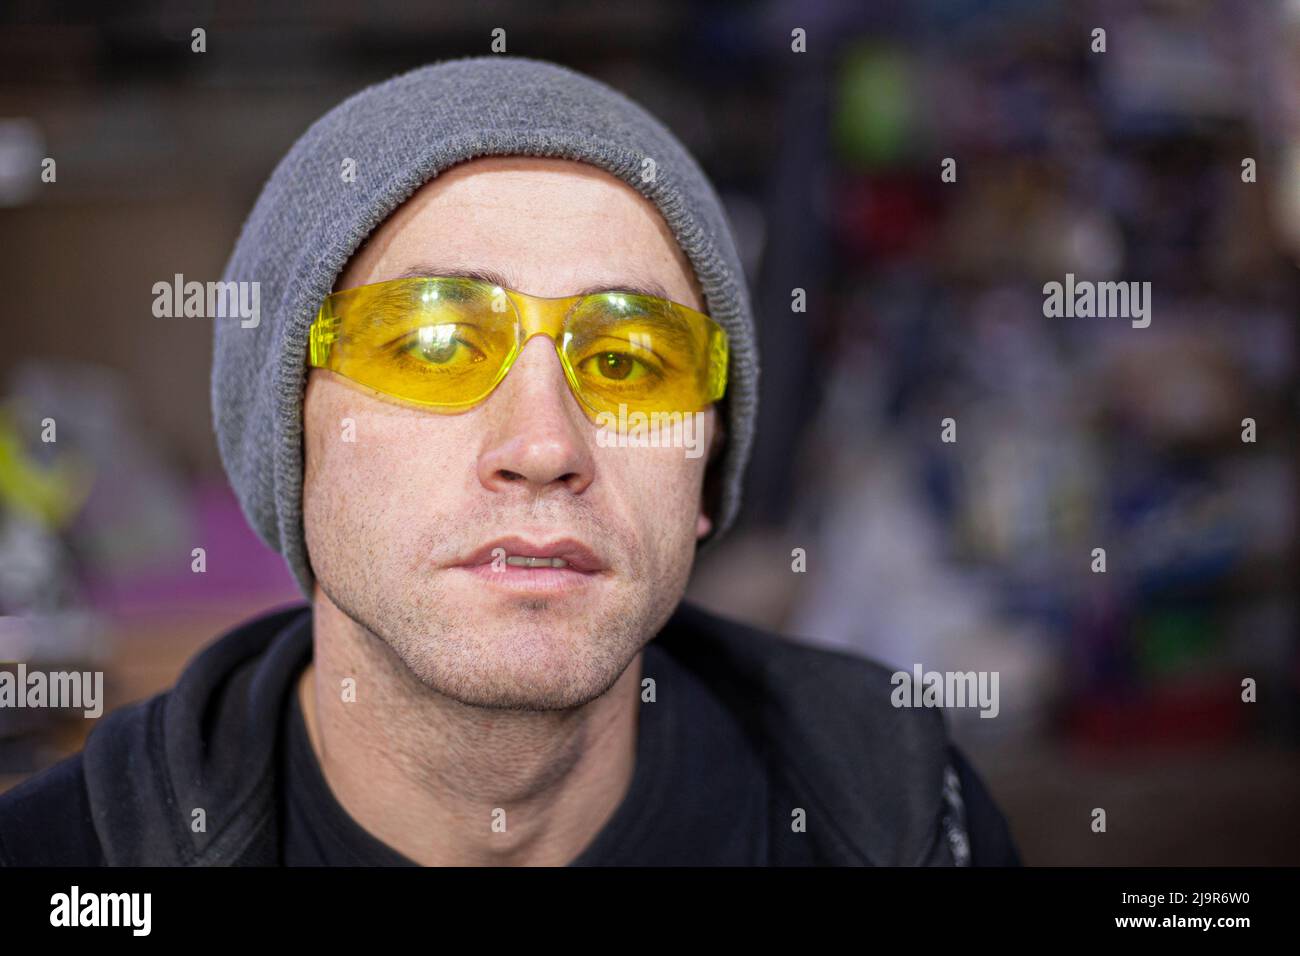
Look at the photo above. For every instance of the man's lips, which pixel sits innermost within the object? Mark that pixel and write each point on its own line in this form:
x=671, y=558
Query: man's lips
x=524, y=554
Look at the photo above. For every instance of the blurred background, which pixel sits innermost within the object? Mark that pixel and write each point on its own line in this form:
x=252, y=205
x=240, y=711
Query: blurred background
x=924, y=301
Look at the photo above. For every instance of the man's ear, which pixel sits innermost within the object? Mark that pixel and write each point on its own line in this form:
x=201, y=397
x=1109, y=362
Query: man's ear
x=719, y=441
x=711, y=496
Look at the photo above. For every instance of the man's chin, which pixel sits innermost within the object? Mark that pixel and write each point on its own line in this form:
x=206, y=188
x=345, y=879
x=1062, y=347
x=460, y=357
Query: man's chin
x=506, y=690
x=527, y=667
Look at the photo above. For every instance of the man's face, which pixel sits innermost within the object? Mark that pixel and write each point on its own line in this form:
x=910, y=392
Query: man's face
x=398, y=518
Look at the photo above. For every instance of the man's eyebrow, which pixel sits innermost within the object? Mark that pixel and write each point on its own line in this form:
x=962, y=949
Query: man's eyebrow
x=642, y=287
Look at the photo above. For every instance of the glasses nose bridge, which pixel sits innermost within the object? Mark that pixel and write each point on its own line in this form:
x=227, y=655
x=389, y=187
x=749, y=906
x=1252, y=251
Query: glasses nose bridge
x=541, y=316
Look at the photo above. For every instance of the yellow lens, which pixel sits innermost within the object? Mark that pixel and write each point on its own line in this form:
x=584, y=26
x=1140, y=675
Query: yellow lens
x=640, y=352
x=437, y=342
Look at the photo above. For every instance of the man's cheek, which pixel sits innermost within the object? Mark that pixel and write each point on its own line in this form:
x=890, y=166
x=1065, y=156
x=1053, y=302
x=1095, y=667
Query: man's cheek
x=667, y=498
x=346, y=482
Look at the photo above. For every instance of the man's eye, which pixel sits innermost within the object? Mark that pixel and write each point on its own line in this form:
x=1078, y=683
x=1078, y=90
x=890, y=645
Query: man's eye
x=615, y=366
x=440, y=345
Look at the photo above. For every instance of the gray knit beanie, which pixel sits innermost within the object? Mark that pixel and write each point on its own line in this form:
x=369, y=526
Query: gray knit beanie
x=309, y=220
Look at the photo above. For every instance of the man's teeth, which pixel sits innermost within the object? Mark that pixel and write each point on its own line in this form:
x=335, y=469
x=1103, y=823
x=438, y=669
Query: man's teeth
x=527, y=561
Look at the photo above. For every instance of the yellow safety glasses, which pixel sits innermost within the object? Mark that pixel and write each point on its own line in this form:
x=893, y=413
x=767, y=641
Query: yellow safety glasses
x=446, y=343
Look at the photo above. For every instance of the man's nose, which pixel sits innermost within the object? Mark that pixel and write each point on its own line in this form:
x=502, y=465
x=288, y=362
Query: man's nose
x=537, y=432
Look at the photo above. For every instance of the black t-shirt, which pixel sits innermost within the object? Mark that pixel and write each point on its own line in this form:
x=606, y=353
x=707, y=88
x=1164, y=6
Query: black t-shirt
x=698, y=796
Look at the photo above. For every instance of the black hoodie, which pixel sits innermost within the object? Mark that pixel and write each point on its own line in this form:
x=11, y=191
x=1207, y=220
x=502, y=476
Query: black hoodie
x=870, y=783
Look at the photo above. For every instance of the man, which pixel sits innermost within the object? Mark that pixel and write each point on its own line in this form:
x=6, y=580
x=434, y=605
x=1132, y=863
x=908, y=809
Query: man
x=474, y=277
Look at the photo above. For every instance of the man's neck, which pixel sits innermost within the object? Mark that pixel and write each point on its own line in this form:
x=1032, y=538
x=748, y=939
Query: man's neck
x=445, y=783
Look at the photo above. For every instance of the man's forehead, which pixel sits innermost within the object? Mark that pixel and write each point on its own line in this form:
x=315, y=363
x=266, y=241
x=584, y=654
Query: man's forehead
x=506, y=278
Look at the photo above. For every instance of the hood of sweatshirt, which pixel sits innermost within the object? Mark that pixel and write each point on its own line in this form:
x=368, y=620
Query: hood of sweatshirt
x=189, y=776
x=199, y=760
